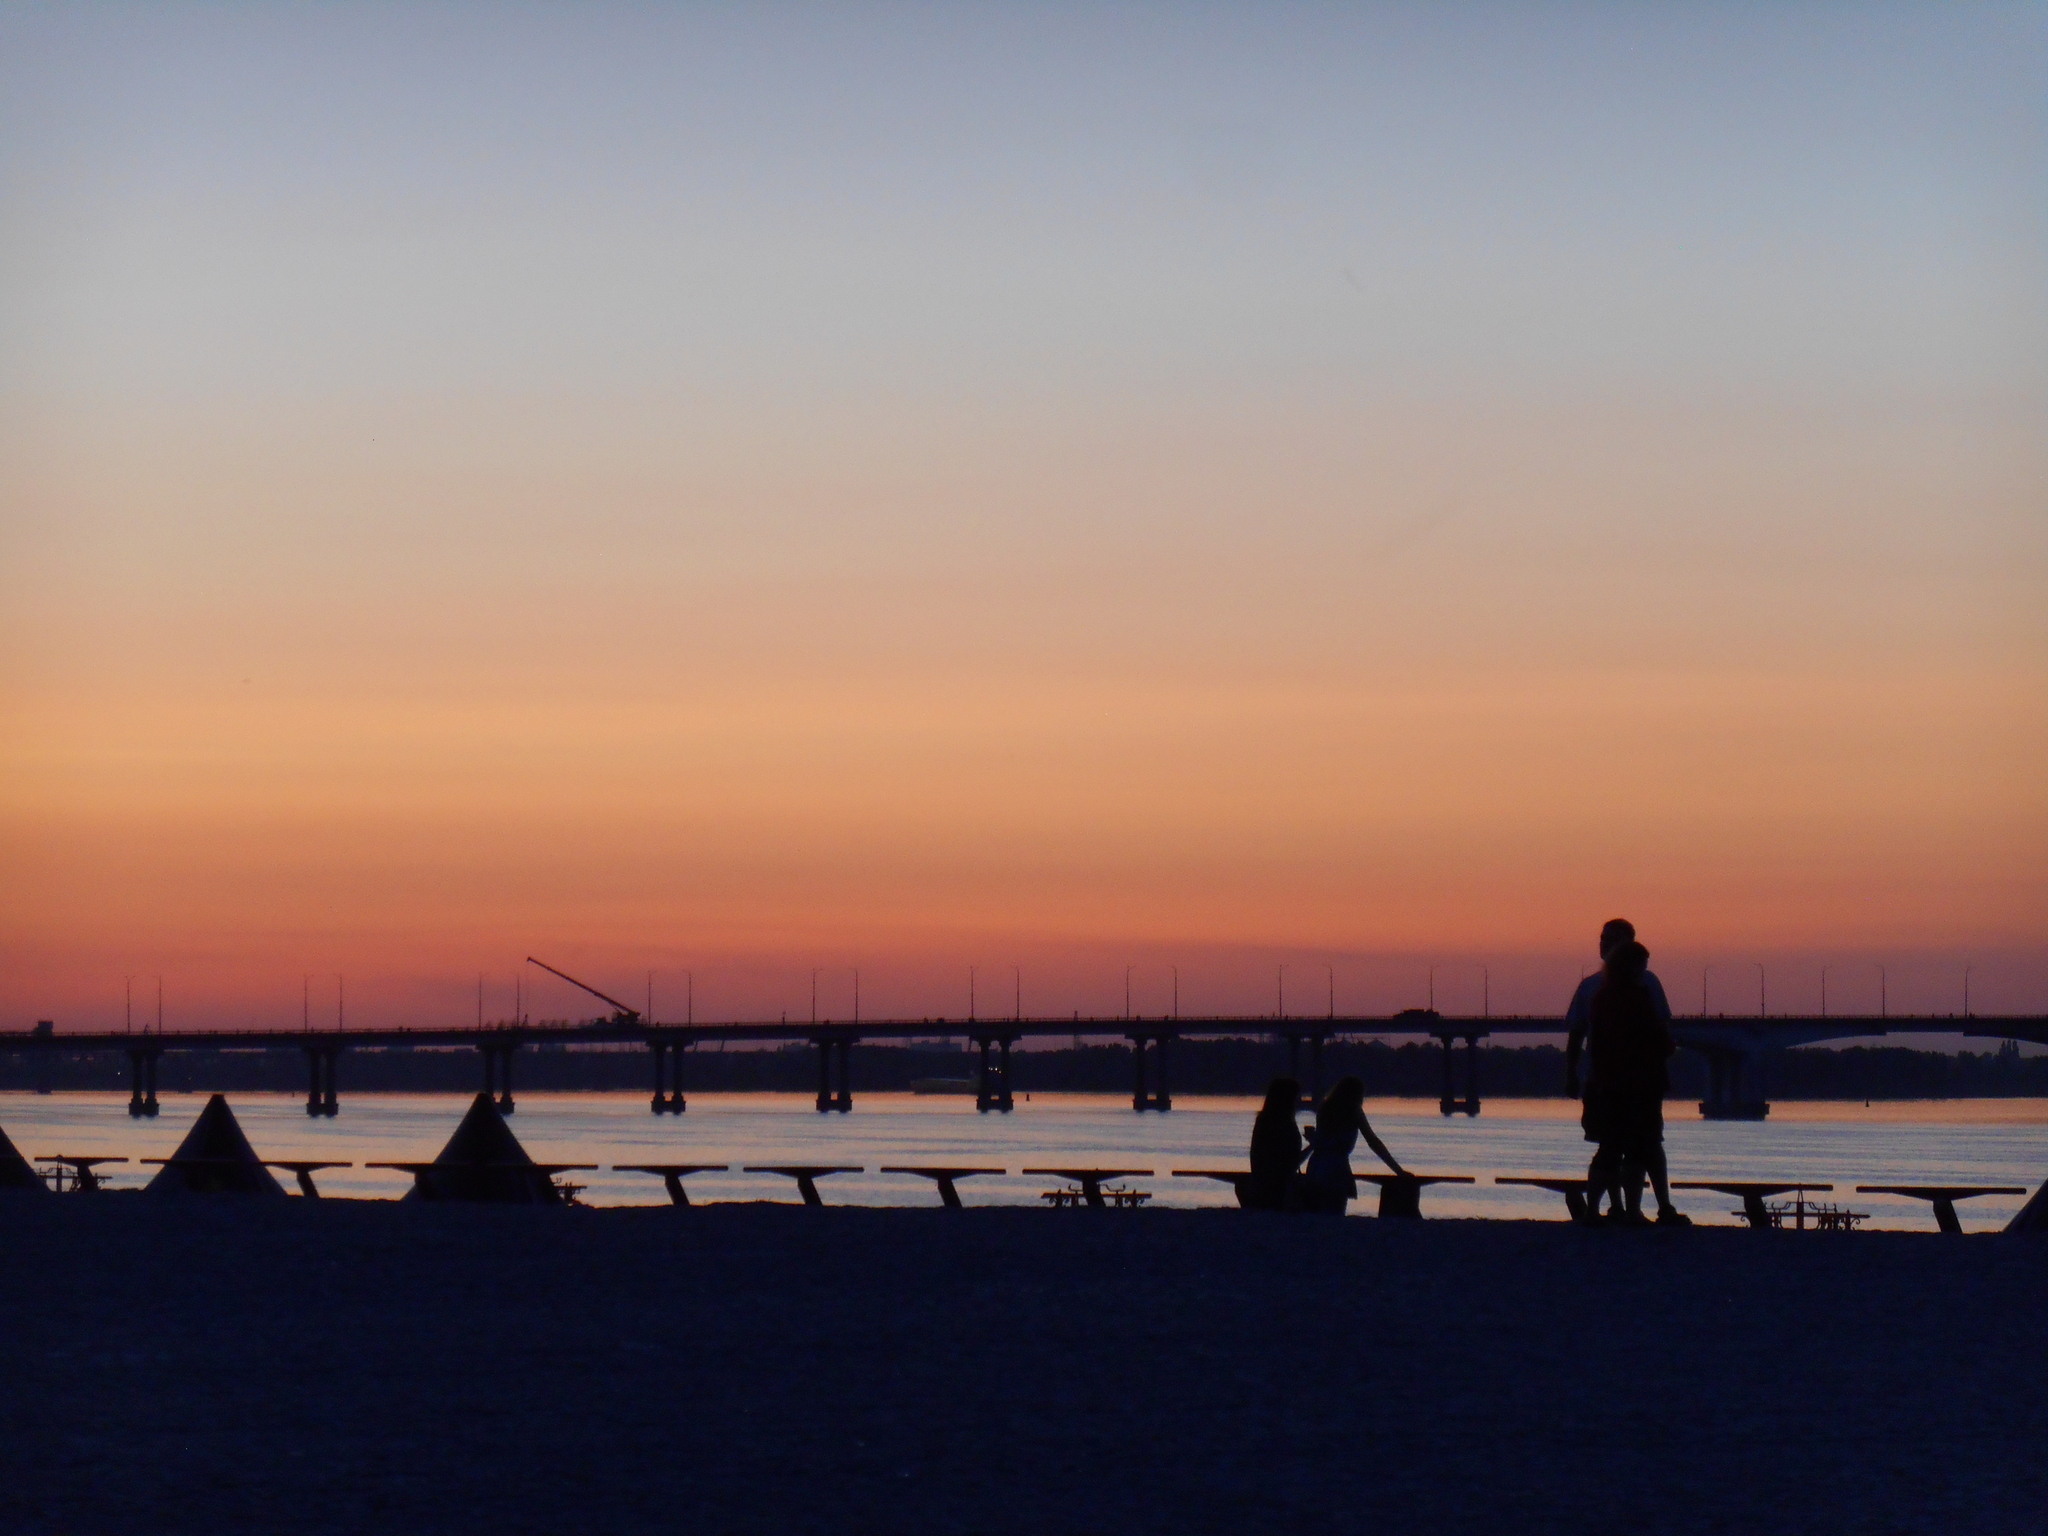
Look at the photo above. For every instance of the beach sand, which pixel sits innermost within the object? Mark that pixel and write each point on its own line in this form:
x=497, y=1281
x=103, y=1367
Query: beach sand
x=226, y=1365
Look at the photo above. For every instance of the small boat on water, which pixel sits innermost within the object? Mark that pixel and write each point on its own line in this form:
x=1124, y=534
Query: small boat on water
x=965, y=1085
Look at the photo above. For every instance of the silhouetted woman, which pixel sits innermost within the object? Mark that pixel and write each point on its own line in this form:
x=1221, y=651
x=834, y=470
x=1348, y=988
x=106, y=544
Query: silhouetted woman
x=1340, y=1121
x=1625, y=1102
x=1276, y=1149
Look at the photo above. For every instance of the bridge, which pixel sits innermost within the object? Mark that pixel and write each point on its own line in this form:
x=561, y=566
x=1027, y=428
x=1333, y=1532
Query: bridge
x=1735, y=1048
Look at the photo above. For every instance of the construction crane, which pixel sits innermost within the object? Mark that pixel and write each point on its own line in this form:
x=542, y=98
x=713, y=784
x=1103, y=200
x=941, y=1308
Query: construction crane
x=621, y=1014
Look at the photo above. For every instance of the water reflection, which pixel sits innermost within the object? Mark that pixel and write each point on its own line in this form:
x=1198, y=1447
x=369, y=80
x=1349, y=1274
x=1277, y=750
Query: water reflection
x=1979, y=1141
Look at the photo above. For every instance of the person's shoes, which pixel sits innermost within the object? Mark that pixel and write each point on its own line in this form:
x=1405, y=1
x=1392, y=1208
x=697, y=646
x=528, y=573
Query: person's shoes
x=1627, y=1219
x=1671, y=1216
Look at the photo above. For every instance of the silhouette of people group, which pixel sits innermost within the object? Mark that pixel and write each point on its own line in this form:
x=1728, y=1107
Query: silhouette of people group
x=1278, y=1180
x=1617, y=1064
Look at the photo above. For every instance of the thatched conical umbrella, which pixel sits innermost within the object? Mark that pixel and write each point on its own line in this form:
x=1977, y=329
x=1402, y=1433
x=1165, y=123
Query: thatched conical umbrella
x=215, y=1158
x=2033, y=1216
x=15, y=1172
x=484, y=1161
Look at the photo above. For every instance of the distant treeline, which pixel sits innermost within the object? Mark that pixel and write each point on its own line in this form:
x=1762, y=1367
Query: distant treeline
x=1233, y=1066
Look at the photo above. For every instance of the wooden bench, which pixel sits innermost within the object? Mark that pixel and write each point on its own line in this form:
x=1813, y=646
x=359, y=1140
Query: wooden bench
x=672, y=1175
x=302, y=1171
x=1400, y=1195
x=806, y=1177
x=949, y=1197
x=1942, y=1196
x=1573, y=1189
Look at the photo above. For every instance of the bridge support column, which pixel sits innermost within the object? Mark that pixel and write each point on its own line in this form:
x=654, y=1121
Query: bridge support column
x=676, y=1102
x=1142, y=1097
x=135, y=1059
x=658, y=1049
x=1451, y=1103
x=320, y=1094
x=498, y=1075
x=1735, y=1084
x=830, y=1098
x=984, y=1088
x=1006, y=1101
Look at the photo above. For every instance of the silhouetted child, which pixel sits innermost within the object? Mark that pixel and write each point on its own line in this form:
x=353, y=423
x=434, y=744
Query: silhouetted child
x=1328, y=1185
x=1276, y=1149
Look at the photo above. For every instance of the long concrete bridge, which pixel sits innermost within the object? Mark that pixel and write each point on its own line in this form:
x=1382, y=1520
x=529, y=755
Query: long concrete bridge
x=1735, y=1048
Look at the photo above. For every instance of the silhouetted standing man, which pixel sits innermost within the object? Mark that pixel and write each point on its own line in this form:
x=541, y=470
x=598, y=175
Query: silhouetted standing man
x=1579, y=1063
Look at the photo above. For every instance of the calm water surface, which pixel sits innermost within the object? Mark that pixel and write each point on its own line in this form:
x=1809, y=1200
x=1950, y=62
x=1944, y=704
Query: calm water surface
x=1977, y=1141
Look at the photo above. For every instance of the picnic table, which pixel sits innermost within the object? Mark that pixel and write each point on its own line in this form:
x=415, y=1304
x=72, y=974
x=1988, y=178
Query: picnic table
x=1753, y=1195
x=1090, y=1181
x=1942, y=1196
x=83, y=1180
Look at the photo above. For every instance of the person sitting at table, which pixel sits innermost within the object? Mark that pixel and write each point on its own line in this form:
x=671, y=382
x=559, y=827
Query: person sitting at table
x=1276, y=1149
x=1328, y=1186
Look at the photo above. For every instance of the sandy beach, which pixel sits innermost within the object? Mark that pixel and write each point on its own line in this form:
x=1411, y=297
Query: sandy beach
x=354, y=1366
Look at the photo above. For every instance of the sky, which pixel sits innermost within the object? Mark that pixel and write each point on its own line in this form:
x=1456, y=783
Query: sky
x=711, y=494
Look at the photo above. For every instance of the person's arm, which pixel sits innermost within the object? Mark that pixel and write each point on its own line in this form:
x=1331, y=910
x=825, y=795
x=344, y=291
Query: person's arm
x=1657, y=998
x=1576, y=1015
x=1379, y=1147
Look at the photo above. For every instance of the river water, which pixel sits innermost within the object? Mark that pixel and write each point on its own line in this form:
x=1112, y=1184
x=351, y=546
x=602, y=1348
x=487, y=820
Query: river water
x=1975, y=1141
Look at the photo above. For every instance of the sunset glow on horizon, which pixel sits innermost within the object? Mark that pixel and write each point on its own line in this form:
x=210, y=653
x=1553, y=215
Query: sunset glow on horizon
x=740, y=490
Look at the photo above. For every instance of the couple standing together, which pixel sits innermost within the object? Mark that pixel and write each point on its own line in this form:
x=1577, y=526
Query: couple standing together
x=1617, y=1064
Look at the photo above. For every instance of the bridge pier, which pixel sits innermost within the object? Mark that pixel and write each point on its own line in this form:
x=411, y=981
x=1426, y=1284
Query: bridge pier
x=1735, y=1084
x=498, y=1075
x=829, y=1098
x=142, y=1084
x=668, y=1080
x=1161, y=1097
x=992, y=1088
x=1312, y=1089
x=1451, y=1103
x=320, y=1092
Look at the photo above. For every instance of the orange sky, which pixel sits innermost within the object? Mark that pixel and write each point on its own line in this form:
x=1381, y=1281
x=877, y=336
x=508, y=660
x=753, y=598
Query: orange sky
x=1306, y=554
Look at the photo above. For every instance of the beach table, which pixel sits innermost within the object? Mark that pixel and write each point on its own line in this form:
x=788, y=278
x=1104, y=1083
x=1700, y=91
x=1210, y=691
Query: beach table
x=1090, y=1180
x=672, y=1175
x=806, y=1178
x=1942, y=1196
x=1752, y=1196
x=303, y=1172
x=1399, y=1195
x=944, y=1177
x=83, y=1180
x=1573, y=1190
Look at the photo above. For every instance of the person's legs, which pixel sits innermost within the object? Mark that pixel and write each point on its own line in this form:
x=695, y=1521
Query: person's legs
x=1631, y=1193
x=1604, y=1178
x=1660, y=1178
